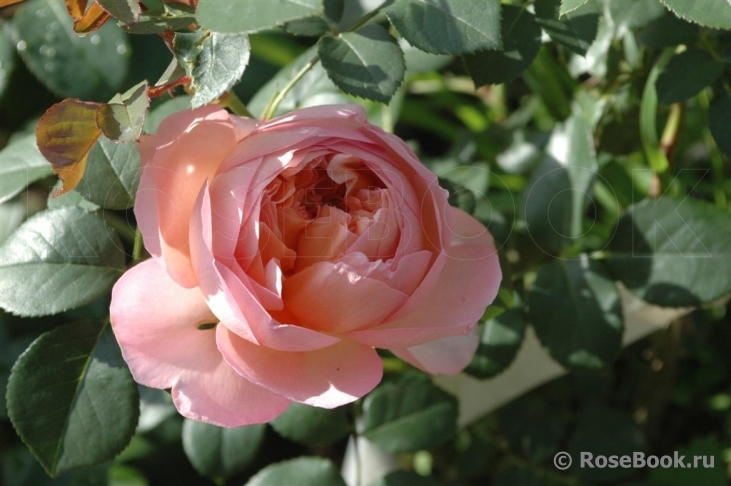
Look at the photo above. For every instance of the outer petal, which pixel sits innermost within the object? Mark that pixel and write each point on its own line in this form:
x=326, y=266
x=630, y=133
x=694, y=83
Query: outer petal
x=333, y=297
x=446, y=356
x=174, y=166
x=155, y=321
x=469, y=282
x=326, y=378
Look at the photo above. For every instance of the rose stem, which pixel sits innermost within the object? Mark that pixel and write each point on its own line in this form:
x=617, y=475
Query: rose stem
x=274, y=104
x=233, y=102
x=137, y=249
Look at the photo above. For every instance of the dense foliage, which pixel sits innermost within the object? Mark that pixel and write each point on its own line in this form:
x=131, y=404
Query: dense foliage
x=591, y=137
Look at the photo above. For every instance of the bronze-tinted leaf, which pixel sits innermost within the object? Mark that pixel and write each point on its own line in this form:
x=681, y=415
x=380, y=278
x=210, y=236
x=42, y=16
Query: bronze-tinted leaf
x=93, y=18
x=5, y=3
x=65, y=134
x=76, y=8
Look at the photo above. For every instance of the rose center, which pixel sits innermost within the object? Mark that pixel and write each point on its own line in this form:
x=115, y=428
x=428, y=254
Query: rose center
x=332, y=206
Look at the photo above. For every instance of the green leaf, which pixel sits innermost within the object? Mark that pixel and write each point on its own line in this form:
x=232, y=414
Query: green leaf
x=603, y=431
x=315, y=88
x=409, y=414
x=220, y=453
x=214, y=61
x=234, y=16
x=447, y=26
x=308, y=27
x=418, y=61
x=367, y=63
x=550, y=80
x=459, y=196
x=20, y=468
x=90, y=68
x=575, y=309
x=156, y=406
x=10, y=350
x=538, y=438
x=407, y=478
x=707, y=448
x=556, y=199
x=686, y=75
x=627, y=16
x=521, y=42
x=575, y=30
x=67, y=255
x=128, y=11
x=303, y=471
x=673, y=252
x=668, y=31
x=710, y=13
x=648, y=116
x=112, y=174
x=7, y=60
x=12, y=213
x=500, y=340
x=312, y=425
x=70, y=198
x=524, y=476
x=570, y=5
x=719, y=118
x=21, y=164
x=122, y=118
x=333, y=11
x=72, y=399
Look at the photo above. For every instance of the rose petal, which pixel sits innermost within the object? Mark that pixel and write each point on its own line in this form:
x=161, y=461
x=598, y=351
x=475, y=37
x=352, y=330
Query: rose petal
x=174, y=166
x=333, y=297
x=405, y=277
x=233, y=303
x=156, y=324
x=267, y=331
x=469, y=282
x=324, y=239
x=326, y=378
x=226, y=399
x=446, y=356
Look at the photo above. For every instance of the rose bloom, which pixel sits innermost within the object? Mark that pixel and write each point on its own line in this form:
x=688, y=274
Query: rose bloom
x=285, y=252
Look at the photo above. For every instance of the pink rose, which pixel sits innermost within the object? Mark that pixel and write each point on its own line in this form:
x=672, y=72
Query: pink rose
x=284, y=253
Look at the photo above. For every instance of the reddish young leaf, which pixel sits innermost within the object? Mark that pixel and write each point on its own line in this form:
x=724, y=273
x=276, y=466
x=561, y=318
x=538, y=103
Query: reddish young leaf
x=76, y=8
x=65, y=134
x=93, y=18
x=5, y=3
